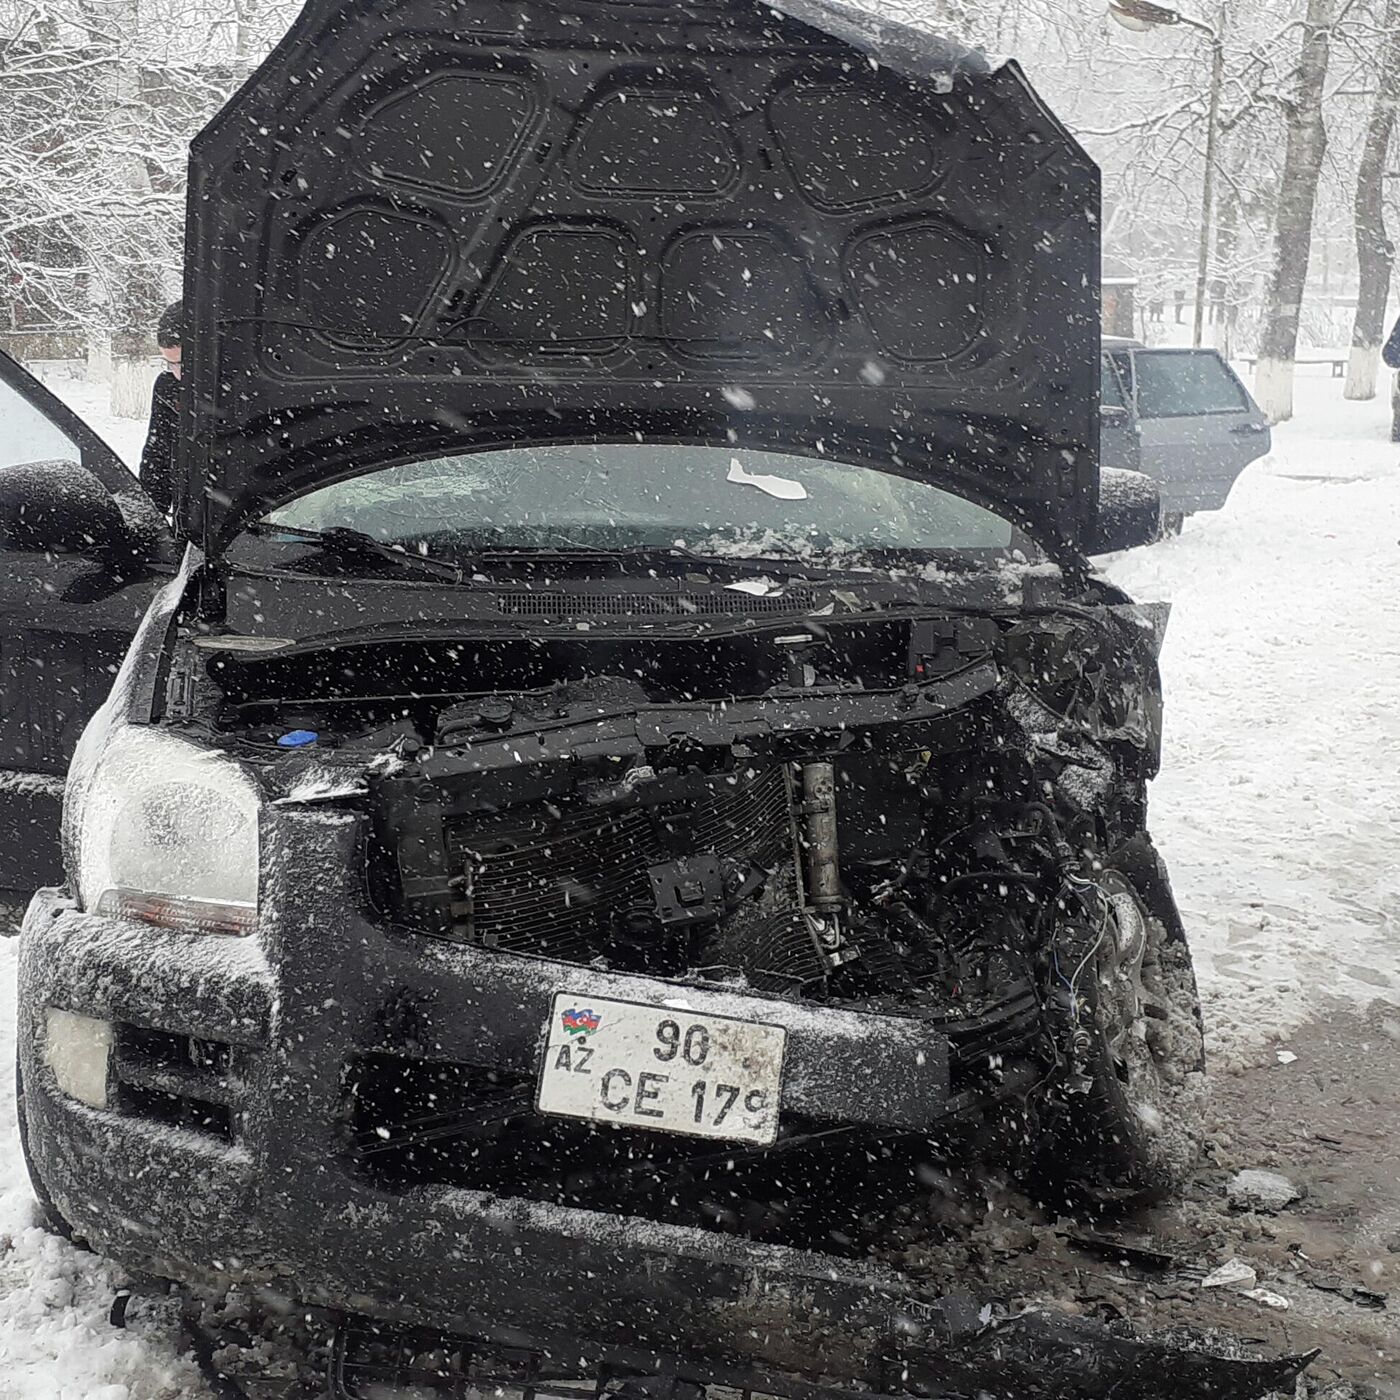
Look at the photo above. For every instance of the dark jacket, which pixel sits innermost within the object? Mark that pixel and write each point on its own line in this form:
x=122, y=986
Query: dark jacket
x=1391, y=352
x=158, y=459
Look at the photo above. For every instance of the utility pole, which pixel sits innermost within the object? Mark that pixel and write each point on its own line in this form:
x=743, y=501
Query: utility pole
x=1217, y=82
x=1141, y=16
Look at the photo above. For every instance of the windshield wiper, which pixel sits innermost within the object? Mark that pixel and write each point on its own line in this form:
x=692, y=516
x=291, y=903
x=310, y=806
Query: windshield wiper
x=661, y=553
x=346, y=543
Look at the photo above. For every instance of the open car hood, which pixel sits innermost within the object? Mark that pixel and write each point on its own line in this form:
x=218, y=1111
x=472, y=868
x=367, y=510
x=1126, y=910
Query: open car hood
x=431, y=226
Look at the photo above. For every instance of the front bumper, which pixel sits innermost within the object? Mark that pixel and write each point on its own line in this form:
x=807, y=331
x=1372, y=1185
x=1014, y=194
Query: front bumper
x=263, y=1186
x=273, y=1197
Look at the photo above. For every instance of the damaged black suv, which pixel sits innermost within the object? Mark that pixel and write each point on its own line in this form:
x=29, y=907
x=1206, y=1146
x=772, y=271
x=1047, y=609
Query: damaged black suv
x=623, y=761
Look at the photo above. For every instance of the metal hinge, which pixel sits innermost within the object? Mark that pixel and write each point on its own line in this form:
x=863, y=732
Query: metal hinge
x=179, y=691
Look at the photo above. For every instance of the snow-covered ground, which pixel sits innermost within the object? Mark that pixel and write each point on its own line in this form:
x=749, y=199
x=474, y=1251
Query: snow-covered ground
x=1278, y=810
x=1278, y=806
x=92, y=403
x=56, y=1342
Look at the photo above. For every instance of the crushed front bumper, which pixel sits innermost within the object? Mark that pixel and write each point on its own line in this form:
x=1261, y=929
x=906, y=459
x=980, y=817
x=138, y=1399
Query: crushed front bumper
x=222, y=1153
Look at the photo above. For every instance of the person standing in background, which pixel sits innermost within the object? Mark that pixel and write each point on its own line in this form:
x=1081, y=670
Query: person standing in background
x=1390, y=352
x=158, y=457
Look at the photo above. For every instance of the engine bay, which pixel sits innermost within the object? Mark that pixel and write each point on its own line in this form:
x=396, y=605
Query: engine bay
x=877, y=812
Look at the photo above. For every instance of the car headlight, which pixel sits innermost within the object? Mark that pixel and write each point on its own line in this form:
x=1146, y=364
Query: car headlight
x=167, y=832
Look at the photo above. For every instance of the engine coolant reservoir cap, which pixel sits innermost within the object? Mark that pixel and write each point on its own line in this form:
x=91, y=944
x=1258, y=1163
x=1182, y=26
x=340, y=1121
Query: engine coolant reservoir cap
x=496, y=714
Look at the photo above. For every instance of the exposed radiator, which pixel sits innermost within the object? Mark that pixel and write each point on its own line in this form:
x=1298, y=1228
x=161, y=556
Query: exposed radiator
x=553, y=885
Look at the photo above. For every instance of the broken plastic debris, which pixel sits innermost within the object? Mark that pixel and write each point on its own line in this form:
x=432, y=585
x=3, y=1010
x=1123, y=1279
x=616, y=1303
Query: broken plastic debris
x=1233, y=1273
x=1038, y=1356
x=1286, y=1057
x=779, y=486
x=756, y=588
x=739, y=398
x=1268, y=1298
x=322, y=785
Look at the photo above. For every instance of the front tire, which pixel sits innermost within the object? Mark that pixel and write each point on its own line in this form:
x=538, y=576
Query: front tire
x=1129, y=1117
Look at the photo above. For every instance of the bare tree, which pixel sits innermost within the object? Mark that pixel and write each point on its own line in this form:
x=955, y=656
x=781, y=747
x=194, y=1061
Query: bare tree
x=1375, y=253
x=1302, y=166
x=98, y=102
x=125, y=290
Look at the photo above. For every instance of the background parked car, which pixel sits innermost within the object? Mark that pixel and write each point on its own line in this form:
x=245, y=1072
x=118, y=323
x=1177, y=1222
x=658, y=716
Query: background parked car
x=1182, y=417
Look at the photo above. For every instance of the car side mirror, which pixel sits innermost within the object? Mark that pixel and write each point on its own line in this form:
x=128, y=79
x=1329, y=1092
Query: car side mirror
x=62, y=508
x=1130, y=511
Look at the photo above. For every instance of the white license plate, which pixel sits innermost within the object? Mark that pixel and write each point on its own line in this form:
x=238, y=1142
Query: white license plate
x=662, y=1068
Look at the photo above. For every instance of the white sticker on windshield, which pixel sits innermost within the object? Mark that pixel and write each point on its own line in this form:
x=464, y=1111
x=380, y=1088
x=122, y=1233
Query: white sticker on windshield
x=778, y=486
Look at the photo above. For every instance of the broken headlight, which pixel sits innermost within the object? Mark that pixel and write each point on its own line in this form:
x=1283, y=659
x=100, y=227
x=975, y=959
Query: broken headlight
x=168, y=833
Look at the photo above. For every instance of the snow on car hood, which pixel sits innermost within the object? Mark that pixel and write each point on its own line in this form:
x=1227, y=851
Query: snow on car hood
x=427, y=228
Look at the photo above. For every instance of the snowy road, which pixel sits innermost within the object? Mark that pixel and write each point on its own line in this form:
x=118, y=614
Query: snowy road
x=1278, y=809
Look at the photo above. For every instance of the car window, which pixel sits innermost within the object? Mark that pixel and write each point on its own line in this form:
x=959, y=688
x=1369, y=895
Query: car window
x=1183, y=383
x=27, y=436
x=1111, y=391
x=628, y=495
